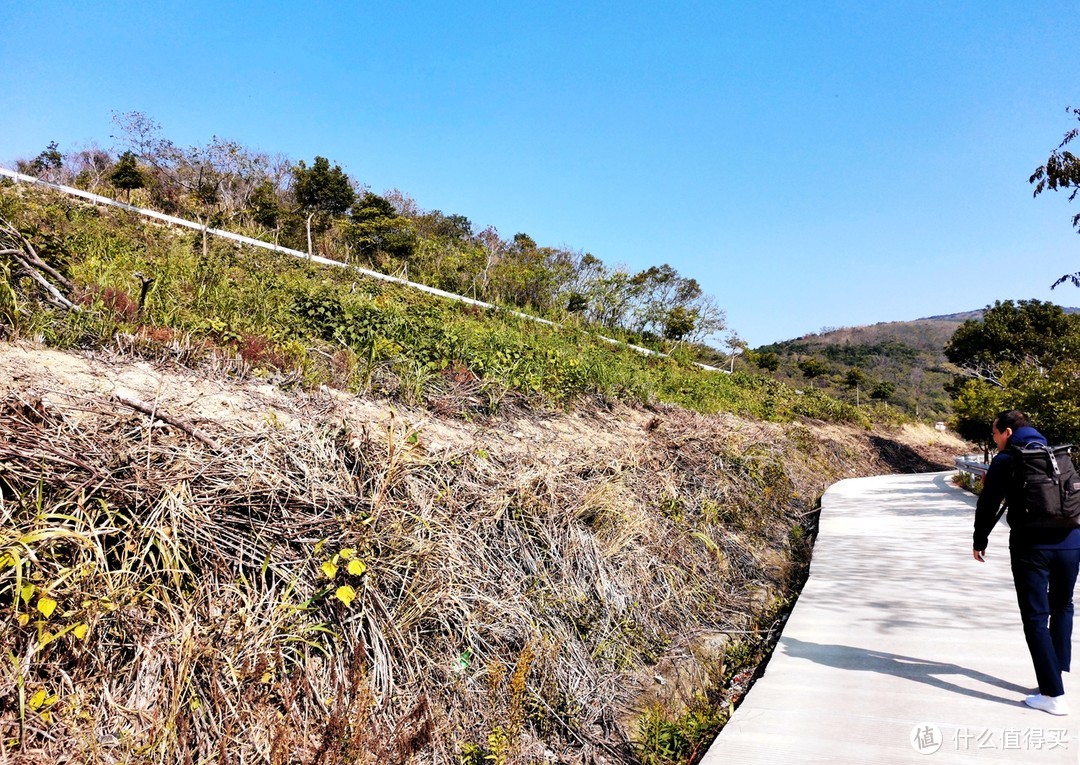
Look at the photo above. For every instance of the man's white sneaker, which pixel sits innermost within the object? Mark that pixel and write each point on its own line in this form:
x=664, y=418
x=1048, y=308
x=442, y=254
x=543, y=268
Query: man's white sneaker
x=1055, y=705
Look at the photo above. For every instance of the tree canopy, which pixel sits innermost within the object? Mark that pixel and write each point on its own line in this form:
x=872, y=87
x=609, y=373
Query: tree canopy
x=126, y=174
x=1028, y=331
x=322, y=189
x=1019, y=356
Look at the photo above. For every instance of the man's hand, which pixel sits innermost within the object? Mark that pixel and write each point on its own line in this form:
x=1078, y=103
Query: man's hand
x=979, y=555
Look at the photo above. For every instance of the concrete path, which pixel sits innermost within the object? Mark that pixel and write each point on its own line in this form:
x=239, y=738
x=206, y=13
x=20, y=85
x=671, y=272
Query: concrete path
x=901, y=648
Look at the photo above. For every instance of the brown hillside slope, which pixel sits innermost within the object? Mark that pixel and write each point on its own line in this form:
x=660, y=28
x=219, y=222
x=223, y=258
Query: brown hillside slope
x=244, y=573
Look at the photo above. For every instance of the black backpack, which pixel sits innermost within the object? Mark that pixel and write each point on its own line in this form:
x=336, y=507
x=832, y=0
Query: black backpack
x=1045, y=489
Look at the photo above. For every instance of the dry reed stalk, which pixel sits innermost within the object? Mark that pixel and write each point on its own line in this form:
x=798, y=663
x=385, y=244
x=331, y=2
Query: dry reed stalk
x=215, y=634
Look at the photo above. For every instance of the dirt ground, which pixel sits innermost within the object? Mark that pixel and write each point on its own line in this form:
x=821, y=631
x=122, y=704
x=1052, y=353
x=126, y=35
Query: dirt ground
x=213, y=403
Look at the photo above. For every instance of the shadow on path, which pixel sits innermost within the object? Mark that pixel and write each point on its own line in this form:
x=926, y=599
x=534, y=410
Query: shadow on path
x=931, y=673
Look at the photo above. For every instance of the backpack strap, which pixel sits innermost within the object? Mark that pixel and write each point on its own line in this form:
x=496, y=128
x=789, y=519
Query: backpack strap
x=1053, y=460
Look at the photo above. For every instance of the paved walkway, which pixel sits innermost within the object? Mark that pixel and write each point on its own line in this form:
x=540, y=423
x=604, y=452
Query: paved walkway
x=899, y=631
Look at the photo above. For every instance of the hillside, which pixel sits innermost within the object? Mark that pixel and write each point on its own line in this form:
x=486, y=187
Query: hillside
x=259, y=509
x=898, y=364
x=293, y=576
x=902, y=363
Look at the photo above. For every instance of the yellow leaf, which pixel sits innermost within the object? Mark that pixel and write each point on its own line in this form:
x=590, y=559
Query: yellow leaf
x=46, y=606
x=80, y=631
x=24, y=619
x=27, y=592
x=52, y=699
x=195, y=703
x=37, y=699
x=267, y=677
x=46, y=717
x=329, y=569
x=348, y=553
x=346, y=594
x=357, y=567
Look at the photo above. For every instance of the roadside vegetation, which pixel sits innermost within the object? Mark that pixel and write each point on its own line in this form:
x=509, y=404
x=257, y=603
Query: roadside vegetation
x=333, y=520
x=168, y=293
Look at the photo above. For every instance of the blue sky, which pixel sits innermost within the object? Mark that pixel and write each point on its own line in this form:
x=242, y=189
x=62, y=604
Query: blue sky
x=812, y=164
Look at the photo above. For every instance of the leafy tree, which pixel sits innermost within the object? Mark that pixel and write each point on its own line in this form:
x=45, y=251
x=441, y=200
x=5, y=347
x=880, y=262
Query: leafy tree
x=1061, y=171
x=576, y=303
x=321, y=191
x=376, y=229
x=1051, y=397
x=767, y=360
x=855, y=380
x=532, y=276
x=47, y=163
x=452, y=228
x=264, y=205
x=812, y=367
x=679, y=322
x=883, y=391
x=126, y=174
x=1030, y=331
x=975, y=404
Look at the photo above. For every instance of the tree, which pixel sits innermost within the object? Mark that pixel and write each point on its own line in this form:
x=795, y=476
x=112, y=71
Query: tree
x=321, y=191
x=883, y=391
x=90, y=168
x=45, y=164
x=735, y=345
x=767, y=360
x=1061, y=171
x=812, y=367
x=1027, y=332
x=126, y=175
x=264, y=206
x=975, y=403
x=375, y=229
x=576, y=303
x=679, y=322
x=855, y=379
x=452, y=228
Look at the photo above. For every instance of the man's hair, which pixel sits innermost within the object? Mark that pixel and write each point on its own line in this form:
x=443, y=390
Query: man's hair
x=1011, y=418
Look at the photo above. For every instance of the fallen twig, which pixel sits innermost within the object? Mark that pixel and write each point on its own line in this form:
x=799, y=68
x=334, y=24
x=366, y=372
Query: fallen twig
x=191, y=430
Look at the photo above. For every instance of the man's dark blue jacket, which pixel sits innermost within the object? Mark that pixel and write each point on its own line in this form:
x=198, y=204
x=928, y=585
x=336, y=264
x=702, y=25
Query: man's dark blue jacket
x=996, y=488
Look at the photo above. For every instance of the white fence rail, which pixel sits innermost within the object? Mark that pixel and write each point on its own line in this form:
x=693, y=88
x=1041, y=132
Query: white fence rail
x=972, y=464
x=171, y=219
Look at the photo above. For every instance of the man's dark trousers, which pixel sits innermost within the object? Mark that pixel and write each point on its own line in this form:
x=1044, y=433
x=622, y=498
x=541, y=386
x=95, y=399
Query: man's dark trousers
x=1044, y=582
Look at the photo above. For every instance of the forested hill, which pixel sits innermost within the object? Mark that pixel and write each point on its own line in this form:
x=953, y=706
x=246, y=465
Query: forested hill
x=901, y=363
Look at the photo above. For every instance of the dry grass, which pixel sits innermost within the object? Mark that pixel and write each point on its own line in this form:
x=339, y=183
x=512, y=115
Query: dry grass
x=336, y=587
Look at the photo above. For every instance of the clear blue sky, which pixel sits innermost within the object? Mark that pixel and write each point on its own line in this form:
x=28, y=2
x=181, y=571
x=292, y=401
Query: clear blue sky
x=812, y=164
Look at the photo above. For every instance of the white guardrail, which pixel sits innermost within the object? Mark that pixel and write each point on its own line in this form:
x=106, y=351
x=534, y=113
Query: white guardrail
x=98, y=199
x=973, y=464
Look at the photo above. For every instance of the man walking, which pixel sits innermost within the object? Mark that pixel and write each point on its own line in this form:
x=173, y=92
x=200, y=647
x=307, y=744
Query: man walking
x=1044, y=564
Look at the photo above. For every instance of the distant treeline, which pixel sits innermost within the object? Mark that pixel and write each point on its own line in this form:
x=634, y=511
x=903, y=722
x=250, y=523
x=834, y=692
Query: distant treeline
x=319, y=208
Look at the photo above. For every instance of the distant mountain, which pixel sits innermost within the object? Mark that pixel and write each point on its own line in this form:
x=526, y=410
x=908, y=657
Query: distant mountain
x=903, y=362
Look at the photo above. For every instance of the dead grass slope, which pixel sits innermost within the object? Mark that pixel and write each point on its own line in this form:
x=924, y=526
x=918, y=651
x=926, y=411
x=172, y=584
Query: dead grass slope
x=327, y=579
